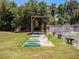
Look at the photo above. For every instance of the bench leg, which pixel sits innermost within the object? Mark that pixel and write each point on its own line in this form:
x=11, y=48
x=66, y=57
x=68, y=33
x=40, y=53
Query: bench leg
x=68, y=41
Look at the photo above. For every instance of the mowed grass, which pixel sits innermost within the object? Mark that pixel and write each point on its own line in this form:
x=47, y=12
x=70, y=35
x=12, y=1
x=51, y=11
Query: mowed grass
x=10, y=48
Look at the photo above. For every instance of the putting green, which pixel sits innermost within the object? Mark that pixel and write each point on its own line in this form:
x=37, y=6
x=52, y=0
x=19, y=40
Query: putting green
x=31, y=44
x=33, y=40
x=34, y=35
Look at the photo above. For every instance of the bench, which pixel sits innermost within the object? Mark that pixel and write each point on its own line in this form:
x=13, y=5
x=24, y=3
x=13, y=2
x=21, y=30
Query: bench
x=69, y=40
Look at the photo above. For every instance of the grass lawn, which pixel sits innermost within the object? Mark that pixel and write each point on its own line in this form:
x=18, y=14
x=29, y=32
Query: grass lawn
x=10, y=48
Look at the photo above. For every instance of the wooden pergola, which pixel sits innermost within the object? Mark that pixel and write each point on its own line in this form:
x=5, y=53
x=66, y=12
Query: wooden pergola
x=42, y=20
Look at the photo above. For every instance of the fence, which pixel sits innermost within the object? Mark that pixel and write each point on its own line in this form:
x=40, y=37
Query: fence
x=70, y=31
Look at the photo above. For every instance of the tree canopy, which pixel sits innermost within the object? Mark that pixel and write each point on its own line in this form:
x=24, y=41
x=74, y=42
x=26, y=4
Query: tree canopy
x=13, y=16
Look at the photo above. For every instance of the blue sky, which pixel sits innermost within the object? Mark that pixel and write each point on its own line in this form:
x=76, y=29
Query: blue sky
x=58, y=2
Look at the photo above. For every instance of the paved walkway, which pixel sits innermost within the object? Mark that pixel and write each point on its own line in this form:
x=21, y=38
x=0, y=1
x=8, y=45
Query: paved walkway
x=39, y=40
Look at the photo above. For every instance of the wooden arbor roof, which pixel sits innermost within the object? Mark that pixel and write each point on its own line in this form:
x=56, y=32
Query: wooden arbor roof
x=44, y=18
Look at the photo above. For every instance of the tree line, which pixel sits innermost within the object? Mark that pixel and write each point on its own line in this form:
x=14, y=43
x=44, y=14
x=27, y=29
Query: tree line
x=13, y=16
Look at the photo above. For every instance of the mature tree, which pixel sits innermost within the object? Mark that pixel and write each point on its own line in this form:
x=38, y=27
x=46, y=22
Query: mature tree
x=42, y=8
x=6, y=16
x=69, y=12
x=53, y=9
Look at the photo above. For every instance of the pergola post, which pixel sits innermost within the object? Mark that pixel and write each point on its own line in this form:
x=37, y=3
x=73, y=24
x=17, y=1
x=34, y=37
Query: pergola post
x=45, y=27
x=31, y=24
